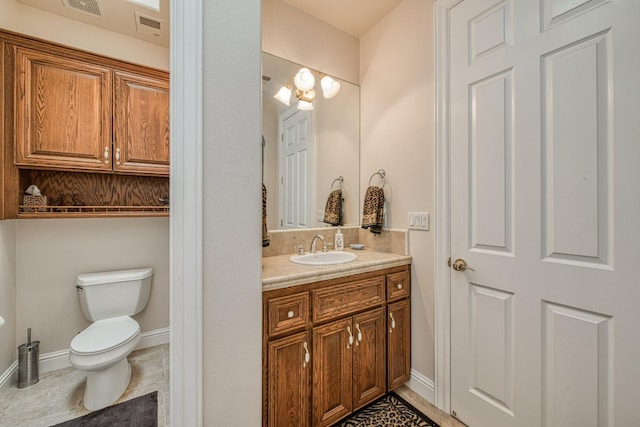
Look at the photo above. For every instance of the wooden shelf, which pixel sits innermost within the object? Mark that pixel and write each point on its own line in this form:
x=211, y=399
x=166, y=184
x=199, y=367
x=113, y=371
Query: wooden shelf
x=42, y=211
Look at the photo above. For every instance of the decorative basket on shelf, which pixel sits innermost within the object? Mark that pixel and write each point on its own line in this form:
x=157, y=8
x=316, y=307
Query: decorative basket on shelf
x=29, y=200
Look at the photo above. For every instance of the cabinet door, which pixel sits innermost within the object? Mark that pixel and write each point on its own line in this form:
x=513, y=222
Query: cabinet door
x=399, y=343
x=332, y=372
x=289, y=378
x=63, y=112
x=369, y=357
x=141, y=124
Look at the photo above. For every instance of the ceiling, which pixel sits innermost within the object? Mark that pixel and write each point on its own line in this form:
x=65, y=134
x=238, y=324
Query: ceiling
x=354, y=17
x=134, y=18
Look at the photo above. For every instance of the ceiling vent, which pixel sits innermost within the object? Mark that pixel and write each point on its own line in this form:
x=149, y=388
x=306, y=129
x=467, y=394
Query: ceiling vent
x=148, y=25
x=91, y=7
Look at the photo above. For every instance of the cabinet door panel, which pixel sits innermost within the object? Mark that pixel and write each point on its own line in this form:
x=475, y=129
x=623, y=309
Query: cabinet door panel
x=369, y=357
x=399, y=343
x=332, y=372
x=63, y=112
x=141, y=124
x=288, y=379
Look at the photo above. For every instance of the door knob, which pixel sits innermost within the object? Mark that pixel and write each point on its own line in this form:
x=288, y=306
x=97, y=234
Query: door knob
x=461, y=265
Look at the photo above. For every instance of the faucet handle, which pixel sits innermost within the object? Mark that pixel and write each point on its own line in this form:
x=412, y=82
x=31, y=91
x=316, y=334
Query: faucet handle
x=299, y=249
x=325, y=247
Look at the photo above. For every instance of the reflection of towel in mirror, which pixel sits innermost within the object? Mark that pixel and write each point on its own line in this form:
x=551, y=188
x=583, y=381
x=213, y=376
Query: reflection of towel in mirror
x=333, y=209
x=372, y=210
x=265, y=233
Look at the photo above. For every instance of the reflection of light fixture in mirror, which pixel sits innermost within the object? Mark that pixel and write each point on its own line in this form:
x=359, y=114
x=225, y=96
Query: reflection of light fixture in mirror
x=307, y=96
x=284, y=94
x=330, y=87
x=304, y=105
x=304, y=79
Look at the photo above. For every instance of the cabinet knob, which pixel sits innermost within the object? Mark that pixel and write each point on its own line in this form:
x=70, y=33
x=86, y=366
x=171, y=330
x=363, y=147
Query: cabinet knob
x=399, y=286
x=290, y=314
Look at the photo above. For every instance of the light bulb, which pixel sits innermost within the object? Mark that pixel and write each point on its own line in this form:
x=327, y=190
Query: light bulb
x=330, y=87
x=283, y=95
x=304, y=79
x=304, y=105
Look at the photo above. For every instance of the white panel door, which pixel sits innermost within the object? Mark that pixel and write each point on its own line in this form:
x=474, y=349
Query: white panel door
x=296, y=169
x=545, y=201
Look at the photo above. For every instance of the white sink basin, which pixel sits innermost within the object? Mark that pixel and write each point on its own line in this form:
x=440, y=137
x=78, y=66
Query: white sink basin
x=324, y=258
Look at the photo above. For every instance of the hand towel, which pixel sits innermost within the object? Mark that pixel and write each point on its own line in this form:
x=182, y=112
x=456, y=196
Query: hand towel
x=333, y=209
x=265, y=234
x=373, y=208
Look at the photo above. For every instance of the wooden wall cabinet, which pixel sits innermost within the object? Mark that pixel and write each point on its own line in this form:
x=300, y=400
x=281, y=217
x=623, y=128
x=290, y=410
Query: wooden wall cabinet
x=340, y=353
x=90, y=131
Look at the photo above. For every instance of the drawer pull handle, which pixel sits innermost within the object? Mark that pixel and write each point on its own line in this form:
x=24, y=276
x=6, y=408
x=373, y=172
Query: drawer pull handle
x=399, y=286
x=393, y=323
x=359, y=336
x=290, y=314
x=118, y=156
x=307, y=356
x=350, y=337
x=106, y=154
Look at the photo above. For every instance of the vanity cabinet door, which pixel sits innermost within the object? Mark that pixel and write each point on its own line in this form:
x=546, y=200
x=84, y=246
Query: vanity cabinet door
x=141, y=124
x=332, y=371
x=289, y=380
x=63, y=112
x=399, y=343
x=369, y=357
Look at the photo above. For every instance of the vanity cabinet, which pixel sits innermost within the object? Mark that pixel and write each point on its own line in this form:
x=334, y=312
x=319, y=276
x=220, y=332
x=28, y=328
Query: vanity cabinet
x=331, y=347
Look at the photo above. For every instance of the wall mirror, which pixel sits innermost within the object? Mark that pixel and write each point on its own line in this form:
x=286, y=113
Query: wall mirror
x=308, y=153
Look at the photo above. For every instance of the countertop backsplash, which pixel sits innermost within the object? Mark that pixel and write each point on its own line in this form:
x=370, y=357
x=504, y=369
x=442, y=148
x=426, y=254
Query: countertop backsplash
x=283, y=242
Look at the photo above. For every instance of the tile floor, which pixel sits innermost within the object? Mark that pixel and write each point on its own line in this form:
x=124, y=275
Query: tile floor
x=57, y=397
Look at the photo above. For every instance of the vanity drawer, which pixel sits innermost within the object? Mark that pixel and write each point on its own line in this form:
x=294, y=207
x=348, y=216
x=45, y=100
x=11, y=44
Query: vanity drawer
x=288, y=313
x=347, y=298
x=398, y=285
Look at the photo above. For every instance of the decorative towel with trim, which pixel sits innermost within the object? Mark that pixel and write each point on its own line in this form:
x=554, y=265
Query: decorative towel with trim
x=265, y=234
x=372, y=210
x=333, y=209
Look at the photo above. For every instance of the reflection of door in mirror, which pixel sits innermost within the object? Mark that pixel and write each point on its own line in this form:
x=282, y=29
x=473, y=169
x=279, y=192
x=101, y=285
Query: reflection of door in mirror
x=296, y=192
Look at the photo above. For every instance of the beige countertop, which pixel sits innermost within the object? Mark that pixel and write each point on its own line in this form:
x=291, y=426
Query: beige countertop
x=278, y=272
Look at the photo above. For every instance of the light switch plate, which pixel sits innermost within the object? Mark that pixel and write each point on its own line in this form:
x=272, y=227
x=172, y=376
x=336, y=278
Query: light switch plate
x=419, y=221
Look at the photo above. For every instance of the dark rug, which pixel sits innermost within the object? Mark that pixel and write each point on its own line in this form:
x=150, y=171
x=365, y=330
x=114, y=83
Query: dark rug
x=139, y=412
x=388, y=411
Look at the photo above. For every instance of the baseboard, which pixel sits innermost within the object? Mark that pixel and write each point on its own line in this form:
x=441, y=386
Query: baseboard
x=422, y=385
x=9, y=377
x=60, y=359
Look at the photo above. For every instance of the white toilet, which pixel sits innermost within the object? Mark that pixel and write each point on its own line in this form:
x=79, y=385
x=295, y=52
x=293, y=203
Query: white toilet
x=108, y=299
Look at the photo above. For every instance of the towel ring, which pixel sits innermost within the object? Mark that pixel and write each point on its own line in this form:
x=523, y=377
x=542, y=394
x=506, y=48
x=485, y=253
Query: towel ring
x=339, y=179
x=381, y=173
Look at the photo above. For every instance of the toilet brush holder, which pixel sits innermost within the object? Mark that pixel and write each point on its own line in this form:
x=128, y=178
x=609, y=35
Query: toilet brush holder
x=28, y=359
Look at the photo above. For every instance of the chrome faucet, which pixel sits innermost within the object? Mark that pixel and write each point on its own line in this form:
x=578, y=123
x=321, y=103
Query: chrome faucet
x=312, y=249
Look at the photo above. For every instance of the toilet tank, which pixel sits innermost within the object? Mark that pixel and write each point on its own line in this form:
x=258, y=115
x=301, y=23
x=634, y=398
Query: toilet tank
x=114, y=293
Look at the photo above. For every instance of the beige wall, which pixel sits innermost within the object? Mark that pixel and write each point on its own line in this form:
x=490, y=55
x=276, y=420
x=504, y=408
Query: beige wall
x=292, y=34
x=37, y=23
x=232, y=202
x=50, y=253
x=8, y=343
x=396, y=77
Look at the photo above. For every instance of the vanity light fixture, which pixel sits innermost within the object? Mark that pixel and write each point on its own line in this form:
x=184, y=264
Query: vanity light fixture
x=304, y=81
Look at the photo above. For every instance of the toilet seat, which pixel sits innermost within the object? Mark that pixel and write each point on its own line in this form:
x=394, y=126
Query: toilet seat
x=105, y=335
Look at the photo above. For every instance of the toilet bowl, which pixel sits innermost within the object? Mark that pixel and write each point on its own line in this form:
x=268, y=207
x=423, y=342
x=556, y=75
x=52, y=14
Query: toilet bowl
x=108, y=299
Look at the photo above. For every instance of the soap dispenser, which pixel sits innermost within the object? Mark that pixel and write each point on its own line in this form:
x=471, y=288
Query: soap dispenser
x=338, y=243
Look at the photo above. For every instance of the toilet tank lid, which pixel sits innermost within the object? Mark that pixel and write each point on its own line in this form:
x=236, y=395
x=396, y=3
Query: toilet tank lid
x=88, y=279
